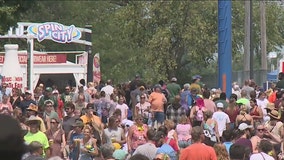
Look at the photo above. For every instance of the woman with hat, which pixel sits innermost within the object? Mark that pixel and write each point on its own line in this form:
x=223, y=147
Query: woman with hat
x=35, y=135
x=56, y=137
x=274, y=125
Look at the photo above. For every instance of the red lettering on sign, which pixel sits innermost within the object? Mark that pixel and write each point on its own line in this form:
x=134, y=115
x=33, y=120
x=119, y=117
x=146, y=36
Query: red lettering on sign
x=39, y=58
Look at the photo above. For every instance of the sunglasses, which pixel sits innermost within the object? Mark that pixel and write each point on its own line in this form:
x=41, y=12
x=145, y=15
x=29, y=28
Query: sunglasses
x=260, y=129
x=53, y=122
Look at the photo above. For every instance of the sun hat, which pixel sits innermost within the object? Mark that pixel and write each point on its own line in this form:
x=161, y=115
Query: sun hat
x=274, y=114
x=33, y=119
x=32, y=107
x=244, y=126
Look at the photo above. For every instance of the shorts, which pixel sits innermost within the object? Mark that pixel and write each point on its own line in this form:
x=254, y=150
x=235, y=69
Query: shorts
x=159, y=117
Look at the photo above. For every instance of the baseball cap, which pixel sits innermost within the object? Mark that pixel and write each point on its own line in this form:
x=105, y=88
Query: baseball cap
x=55, y=92
x=28, y=92
x=244, y=126
x=48, y=89
x=220, y=105
x=174, y=79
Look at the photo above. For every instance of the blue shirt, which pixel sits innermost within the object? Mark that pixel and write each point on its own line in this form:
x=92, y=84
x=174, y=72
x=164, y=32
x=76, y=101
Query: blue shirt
x=228, y=145
x=167, y=149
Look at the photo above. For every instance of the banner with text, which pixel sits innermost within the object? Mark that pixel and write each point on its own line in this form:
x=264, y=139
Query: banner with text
x=39, y=58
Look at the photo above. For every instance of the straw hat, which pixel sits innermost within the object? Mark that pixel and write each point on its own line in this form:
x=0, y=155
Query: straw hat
x=274, y=114
x=33, y=119
x=32, y=107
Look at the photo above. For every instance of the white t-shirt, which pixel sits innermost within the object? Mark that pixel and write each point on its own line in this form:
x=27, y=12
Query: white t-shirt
x=260, y=156
x=124, y=109
x=143, y=107
x=263, y=104
x=108, y=89
x=222, y=120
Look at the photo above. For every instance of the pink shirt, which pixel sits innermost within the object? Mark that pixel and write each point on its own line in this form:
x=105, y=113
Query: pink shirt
x=183, y=131
x=210, y=105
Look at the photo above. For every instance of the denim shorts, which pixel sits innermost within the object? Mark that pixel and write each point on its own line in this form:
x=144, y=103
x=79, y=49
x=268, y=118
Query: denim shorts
x=159, y=117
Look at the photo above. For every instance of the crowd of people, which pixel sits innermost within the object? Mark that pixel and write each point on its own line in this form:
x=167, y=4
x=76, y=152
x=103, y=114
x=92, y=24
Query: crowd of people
x=137, y=121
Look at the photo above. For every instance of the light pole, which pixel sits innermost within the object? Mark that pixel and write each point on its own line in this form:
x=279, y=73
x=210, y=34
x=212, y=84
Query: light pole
x=30, y=62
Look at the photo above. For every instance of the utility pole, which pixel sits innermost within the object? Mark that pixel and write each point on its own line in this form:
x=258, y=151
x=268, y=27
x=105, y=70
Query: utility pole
x=263, y=41
x=251, y=41
x=247, y=41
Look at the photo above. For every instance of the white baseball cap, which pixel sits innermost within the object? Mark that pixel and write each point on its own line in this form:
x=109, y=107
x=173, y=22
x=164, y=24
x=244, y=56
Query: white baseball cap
x=244, y=126
x=220, y=105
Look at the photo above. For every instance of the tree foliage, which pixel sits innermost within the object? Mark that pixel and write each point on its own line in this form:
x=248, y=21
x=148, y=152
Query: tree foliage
x=156, y=39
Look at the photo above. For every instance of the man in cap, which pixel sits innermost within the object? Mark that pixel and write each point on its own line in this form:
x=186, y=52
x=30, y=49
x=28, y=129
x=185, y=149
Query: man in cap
x=24, y=104
x=47, y=96
x=67, y=95
x=222, y=118
x=48, y=112
x=35, y=135
x=174, y=89
x=75, y=137
x=245, y=135
x=83, y=92
x=198, y=150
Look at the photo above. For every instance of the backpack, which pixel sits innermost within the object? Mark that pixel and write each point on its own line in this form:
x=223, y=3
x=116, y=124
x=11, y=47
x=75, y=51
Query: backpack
x=199, y=114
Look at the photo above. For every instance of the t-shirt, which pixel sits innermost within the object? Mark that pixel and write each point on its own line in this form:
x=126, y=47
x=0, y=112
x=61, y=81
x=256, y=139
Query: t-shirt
x=210, y=105
x=124, y=109
x=167, y=149
x=260, y=156
x=228, y=145
x=222, y=119
x=157, y=100
x=148, y=149
x=38, y=136
x=113, y=134
x=67, y=124
x=244, y=142
x=87, y=119
x=198, y=151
